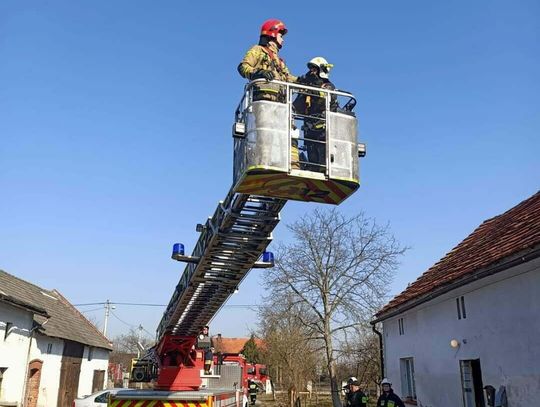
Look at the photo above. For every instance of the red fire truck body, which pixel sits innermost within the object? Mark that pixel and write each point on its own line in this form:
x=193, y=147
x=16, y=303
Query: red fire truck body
x=258, y=373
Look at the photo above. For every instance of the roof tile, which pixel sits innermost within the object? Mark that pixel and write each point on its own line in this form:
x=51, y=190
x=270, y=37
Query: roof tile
x=232, y=345
x=515, y=230
x=64, y=321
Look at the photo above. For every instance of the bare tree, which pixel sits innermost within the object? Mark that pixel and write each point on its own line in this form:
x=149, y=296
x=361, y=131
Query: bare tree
x=129, y=343
x=289, y=350
x=338, y=269
x=359, y=357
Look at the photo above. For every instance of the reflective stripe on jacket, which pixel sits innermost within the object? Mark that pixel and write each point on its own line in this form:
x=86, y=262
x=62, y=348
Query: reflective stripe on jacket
x=389, y=400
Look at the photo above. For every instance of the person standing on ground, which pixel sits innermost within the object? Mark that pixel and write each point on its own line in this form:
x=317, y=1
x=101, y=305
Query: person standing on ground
x=388, y=398
x=253, y=388
x=357, y=398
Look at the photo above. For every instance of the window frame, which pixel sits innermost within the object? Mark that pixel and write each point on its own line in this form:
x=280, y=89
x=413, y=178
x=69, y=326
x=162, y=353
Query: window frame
x=408, y=383
x=460, y=306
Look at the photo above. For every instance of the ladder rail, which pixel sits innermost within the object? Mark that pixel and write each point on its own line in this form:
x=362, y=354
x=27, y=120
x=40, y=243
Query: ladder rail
x=231, y=242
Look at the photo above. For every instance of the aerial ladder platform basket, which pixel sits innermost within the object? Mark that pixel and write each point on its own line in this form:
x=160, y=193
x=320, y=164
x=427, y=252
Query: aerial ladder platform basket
x=266, y=133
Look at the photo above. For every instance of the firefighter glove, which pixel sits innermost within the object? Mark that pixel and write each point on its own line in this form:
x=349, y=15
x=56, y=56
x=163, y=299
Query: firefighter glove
x=263, y=74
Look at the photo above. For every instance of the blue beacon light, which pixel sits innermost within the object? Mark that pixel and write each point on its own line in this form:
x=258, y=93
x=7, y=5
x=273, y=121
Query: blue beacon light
x=178, y=249
x=268, y=257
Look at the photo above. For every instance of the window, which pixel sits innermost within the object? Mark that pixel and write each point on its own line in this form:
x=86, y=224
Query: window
x=401, y=326
x=460, y=304
x=408, y=387
x=102, y=398
x=90, y=353
x=49, y=348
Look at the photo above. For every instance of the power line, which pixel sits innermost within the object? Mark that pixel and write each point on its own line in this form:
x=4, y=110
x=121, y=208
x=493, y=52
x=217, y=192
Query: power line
x=122, y=321
x=120, y=303
x=158, y=305
x=131, y=325
x=149, y=333
x=91, y=310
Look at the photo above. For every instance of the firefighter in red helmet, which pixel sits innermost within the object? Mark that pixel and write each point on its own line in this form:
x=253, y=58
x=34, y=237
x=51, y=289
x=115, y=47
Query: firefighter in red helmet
x=262, y=62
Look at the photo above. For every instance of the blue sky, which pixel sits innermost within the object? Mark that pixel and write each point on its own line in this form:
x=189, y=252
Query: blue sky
x=115, y=131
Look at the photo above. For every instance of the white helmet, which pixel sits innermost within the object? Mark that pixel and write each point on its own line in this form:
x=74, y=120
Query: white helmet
x=386, y=381
x=323, y=66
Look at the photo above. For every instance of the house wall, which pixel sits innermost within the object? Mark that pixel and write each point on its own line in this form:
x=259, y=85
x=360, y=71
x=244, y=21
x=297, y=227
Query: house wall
x=100, y=361
x=13, y=350
x=50, y=374
x=501, y=329
x=14, y=355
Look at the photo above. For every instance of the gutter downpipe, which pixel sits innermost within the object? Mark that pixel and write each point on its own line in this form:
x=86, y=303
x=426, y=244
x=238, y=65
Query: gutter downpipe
x=381, y=353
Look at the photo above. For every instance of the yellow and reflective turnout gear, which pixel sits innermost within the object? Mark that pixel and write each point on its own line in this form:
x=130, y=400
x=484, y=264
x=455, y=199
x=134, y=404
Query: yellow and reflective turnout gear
x=265, y=58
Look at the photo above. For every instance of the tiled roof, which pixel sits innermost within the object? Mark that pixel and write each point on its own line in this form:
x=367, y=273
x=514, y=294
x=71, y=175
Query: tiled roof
x=232, y=345
x=514, y=231
x=64, y=320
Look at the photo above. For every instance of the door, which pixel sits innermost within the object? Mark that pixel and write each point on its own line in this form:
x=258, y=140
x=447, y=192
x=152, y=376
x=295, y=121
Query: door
x=471, y=383
x=69, y=373
x=98, y=381
x=32, y=383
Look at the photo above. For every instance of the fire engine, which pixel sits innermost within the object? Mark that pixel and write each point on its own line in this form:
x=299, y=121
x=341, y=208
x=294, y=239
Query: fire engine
x=273, y=162
x=258, y=373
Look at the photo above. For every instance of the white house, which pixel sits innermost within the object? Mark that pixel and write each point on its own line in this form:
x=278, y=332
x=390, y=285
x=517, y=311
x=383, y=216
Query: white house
x=49, y=352
x=472, y=320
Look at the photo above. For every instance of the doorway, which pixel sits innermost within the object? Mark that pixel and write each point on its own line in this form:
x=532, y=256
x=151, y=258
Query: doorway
x=32, y=383
x=70, y=370
x=471, y=383
x=98, y=380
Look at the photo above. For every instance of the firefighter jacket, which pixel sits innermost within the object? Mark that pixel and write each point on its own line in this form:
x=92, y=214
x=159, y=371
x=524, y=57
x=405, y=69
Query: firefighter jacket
x=389, y=400
x=265, y=58
x=310, y=103
x=358, y=399
x=253, y=388
x=348, y=397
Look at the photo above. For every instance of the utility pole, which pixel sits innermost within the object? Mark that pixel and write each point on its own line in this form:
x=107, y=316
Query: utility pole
x=108, y=307
x=139, y=338
x=139, y=347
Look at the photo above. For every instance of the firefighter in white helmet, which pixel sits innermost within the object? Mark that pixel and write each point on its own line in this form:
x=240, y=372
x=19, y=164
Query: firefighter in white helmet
x=388, y=398
x=322, y=65
x=313, y=104
x=348, y=393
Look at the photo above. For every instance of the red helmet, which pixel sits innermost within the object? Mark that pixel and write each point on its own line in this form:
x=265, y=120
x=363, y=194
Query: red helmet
x=272, y=27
